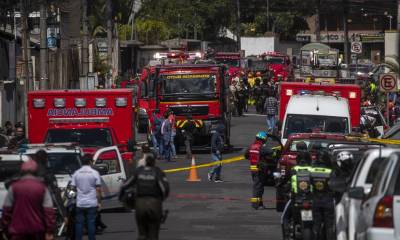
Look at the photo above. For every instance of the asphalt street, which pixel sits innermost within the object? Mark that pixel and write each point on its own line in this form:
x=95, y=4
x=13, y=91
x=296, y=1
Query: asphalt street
x=206, y=210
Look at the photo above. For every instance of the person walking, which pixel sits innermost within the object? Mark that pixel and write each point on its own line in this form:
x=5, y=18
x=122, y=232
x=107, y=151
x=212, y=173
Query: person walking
x=217, y=145
x=88, y=184
x=152, y=188
x=28, y=212
x=188, y=131
x=271, y=109
x=156, y=136
x=166, y=131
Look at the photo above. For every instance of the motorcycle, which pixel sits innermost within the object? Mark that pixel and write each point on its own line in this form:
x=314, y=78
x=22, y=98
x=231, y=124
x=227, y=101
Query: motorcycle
x=300, y=222
x=69, y=201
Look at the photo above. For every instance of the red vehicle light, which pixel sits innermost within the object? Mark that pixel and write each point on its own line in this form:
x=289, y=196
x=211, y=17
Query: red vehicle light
x=306, y=205
x=383, y=216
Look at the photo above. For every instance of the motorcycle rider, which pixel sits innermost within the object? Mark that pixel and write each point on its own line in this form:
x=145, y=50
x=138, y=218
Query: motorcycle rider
x=303, y=164
x=253, y=155
x=323, y=197
x=343, y=170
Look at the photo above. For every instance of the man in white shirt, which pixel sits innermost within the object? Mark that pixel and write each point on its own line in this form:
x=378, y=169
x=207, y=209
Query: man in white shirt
x=88, y=184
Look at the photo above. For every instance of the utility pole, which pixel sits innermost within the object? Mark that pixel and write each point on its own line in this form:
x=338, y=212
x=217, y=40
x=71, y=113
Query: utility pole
x=44, y=67
x=109, y=32
x=346, y=31
x=85, y=40
x=267, y=15
x=317, y=21
x=238, y=25
x=24, y=82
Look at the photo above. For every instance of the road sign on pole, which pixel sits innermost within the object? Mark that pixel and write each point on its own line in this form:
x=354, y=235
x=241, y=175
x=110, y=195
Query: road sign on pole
x=388, y=82
x=356, y=47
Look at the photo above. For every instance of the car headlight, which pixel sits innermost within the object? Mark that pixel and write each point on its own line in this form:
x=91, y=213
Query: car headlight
x=303, y=185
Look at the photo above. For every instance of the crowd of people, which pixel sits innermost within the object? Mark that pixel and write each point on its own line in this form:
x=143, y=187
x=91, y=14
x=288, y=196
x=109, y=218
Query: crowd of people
x=254, y=89
x=13, y=136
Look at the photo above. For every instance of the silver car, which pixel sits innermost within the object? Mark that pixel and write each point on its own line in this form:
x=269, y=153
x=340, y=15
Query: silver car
x=380, y=215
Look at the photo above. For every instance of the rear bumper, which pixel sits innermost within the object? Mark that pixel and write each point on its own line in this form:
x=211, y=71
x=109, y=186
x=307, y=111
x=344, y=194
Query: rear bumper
x=380, y=234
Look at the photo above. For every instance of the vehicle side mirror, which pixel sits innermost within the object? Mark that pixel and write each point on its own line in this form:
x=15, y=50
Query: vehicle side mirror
x=338, y=184
x=102, y=168
x=131, y=146
x=356, y=193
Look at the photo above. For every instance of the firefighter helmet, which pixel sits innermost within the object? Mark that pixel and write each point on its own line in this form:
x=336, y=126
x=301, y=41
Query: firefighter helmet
x=261, y=136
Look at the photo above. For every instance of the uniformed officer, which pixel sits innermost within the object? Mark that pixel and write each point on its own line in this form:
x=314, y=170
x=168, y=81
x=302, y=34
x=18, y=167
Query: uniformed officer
x=253, y=155
x=323, y=197
x=303, y=165
x=152, y=188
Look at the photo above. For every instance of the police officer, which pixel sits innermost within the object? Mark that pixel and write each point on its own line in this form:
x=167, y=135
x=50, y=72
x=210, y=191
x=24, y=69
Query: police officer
x=188, y=130
x=253, y=155
x=323, y=197
x=303, y=164
x=152, y=188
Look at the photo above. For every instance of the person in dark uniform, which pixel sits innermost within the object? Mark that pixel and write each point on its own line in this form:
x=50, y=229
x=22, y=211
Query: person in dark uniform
x=152, y=188
x=188, y=131
x=323, y=198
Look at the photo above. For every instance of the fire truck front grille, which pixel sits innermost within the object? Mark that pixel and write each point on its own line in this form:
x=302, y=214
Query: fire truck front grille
x=184, y=110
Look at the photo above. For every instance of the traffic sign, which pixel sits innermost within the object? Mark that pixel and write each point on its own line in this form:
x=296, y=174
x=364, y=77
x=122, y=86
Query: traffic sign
x=356, y=47
x=388, y=82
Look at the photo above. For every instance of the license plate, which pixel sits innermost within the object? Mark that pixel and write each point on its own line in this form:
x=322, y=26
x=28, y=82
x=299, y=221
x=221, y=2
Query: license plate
x=306, y=215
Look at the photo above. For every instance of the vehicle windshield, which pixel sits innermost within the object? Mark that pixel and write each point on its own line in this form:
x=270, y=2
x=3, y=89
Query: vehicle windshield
x=63, y=163
x=299, y=123
x=312, y=144
x=275, y=59
x=229, y=62
x=96, y=137
x=189, y=85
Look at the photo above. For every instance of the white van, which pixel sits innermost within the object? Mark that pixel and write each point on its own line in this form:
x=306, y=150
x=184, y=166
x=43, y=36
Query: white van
x=316, y=113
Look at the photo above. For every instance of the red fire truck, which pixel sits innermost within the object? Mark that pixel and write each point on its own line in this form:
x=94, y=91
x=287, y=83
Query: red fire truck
x=232, y=60
x=349, y=91
x=94, y=119
x=199, y=90
x=279, y=65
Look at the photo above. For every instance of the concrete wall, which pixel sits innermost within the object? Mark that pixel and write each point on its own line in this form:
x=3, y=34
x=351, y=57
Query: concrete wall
x=392, y=43
x=289, y=48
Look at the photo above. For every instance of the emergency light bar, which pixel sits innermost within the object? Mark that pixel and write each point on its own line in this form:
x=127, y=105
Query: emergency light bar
x=39, y=102
x=59, y=102
x=121, y=102
x=79, y=120
x=100, y=102
x=80, y=102
x=61, y=144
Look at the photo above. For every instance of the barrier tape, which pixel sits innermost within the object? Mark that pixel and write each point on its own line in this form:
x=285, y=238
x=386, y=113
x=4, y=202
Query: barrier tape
x=225, y=161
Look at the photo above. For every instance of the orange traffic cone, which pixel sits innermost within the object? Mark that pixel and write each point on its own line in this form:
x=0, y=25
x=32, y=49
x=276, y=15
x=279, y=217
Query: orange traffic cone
x=193, y=172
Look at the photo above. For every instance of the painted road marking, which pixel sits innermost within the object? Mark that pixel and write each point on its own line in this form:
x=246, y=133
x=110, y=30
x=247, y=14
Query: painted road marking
x=225, y=161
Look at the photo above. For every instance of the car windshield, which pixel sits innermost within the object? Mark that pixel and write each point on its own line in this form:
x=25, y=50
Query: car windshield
x=312, y=144
x=64, y=163
x=298, y=123
x=275, y=60
x=189, y=85
x=96, y=137
x=229, y=62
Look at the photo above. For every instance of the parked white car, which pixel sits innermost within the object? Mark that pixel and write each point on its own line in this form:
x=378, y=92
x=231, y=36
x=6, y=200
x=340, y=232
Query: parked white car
x=348, y=209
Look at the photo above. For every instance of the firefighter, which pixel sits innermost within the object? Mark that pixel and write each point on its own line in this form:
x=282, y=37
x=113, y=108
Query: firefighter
x=253, y=155
x=303, y=164
x=257, y=95
x=323, y=198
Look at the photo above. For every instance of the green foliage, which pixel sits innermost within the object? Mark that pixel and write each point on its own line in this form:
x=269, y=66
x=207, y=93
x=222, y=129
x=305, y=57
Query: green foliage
x=151, y=31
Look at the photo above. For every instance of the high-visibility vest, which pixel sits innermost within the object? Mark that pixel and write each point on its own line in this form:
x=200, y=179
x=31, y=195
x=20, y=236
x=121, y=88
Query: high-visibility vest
x=319, y=179
x=296, y=181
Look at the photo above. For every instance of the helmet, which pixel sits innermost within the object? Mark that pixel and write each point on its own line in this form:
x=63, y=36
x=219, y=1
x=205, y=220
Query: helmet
x=344, y=158
x=303, y=158
x=261, y=136
x=266, y=151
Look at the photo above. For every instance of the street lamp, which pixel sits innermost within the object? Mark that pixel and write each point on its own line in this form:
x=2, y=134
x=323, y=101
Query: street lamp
x=390, y=19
